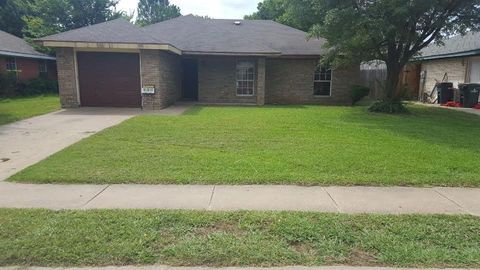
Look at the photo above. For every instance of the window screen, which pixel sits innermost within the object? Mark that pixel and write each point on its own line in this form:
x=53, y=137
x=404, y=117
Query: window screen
x=245, y=78
x=322, y=82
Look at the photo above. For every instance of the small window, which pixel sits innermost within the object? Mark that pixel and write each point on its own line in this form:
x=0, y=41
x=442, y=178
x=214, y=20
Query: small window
x=42, y=66
x=322, y=82
x=245, y=78
x=11, y=64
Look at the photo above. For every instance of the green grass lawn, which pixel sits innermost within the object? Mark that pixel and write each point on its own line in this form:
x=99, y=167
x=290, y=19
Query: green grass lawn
x=119, y=237
x=307, y=145
x=14, y=109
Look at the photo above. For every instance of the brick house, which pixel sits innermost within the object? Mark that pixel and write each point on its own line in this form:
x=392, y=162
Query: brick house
x=18, y=56
x=209, y=61
x=457, y=61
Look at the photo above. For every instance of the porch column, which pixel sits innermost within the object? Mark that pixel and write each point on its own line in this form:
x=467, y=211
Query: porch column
x=150, y=75
x=67, y=77
x=261, y=81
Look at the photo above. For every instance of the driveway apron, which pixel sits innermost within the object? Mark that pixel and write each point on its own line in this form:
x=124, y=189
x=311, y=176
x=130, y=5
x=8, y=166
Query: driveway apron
x=26, y=142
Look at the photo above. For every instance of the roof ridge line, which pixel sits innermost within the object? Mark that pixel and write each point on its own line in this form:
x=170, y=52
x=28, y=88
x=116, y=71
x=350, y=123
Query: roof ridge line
x=270, y=48
x=151, y=36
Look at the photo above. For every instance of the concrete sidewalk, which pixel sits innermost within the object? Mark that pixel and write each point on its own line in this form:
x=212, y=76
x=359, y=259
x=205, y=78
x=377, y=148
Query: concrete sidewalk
x=465, y=110
x=392, y=200
x=163, y=267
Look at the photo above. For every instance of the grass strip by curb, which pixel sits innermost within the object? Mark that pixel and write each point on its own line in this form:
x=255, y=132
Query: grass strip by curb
x=125, y=237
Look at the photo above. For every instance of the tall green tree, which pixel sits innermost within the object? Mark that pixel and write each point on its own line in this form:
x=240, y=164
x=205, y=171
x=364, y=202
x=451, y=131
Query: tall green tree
x=297, y=14
x=53, y=16
x=154, y=11
x=390, y=30
x=11, y=13
x=88, y=12
x=269, y=10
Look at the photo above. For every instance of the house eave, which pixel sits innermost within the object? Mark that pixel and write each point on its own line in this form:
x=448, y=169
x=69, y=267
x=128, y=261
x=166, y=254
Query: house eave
x=302, y=56
x=26, y=55
x=447, y=55
x=201, y=53
x=109, y=45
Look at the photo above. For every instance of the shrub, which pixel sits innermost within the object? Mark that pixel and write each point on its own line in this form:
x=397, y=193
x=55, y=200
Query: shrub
x=359, y=92
x=8, y=84
x=38, y=86
x=388, y=107
x=10, y=87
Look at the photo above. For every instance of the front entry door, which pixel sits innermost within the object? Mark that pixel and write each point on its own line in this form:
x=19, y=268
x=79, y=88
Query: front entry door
x=190, y=79
x=475, y=71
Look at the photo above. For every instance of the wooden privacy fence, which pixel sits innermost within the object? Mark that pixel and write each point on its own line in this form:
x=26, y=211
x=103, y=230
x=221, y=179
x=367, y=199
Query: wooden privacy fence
x=374, y=74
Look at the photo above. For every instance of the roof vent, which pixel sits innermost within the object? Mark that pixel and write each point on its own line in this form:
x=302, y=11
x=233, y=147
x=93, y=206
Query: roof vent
x=237, y=22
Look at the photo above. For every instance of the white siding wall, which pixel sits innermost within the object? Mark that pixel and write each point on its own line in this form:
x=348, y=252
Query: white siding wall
x=436, y=69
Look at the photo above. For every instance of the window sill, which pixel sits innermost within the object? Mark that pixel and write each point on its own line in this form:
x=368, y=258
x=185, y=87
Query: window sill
x=322, y=96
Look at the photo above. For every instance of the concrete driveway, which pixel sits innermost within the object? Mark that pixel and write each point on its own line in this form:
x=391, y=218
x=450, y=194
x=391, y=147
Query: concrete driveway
x=26, y=142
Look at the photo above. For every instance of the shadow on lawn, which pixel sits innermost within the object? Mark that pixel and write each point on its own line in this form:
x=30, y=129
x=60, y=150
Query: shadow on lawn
x=452, y=129
x=433, y=125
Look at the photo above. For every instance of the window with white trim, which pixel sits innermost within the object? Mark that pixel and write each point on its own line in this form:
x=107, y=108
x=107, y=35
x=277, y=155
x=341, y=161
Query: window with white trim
x=322, y=82
x=245, y=78
x=11, y=64
x=42, y=66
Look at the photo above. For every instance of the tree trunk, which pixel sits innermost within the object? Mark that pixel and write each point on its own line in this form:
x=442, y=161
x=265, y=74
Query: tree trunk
x=393, y=74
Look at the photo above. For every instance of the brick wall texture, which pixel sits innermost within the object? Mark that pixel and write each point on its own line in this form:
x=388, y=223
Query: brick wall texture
x=290, y=81
x=67, y=84
x=3, y=64
x=163, y=70
x=28, y=68
x=217, y=81
x=278, y=81
x=261, y=81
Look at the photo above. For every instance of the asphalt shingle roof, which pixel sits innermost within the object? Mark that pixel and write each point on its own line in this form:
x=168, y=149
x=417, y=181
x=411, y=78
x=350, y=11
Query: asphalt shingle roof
x=196, y=34
x=199, y=35
x=115, y=31
x=14, y=46
x=455, y=46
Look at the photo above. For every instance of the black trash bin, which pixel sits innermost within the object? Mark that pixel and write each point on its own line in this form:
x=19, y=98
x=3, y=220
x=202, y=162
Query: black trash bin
x=444, y=92
x=469, y=93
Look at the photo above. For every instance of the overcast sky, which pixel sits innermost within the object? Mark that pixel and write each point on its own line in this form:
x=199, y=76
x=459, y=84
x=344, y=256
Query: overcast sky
x=217, y=9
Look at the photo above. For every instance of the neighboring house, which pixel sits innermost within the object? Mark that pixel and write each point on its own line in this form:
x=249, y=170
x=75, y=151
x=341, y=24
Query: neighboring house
x=458, y=61
x=192, y=58
x=18, y=56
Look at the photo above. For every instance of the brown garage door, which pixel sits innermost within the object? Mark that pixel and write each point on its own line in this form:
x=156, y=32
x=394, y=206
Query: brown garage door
x=109, y=79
